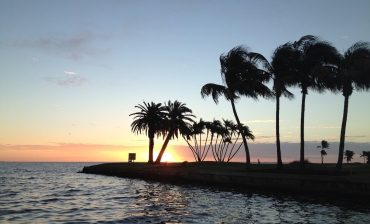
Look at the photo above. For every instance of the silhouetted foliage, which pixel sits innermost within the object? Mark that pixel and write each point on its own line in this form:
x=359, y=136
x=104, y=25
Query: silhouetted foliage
x=348, y=154
x=279, y=71
x=324, y=145
x=306, y=161
x=177, y=121
x=352, y=73
x=310, y=53
x=241, y=77
x=149, y=120
x=366, y=155
x=196, y=129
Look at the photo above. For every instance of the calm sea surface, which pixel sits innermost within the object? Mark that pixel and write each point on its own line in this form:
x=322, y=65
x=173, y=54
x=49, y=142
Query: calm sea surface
x=56, y=193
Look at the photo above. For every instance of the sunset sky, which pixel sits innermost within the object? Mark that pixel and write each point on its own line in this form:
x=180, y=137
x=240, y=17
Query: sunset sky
x=71, y=72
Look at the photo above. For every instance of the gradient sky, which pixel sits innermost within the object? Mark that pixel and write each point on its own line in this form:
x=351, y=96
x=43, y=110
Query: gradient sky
x=71, y=72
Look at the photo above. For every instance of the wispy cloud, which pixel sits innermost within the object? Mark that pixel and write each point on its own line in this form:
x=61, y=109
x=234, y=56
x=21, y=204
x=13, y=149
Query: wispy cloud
x=356, y=136
x=70, y=73
x=261, y=121
x=75, y=57
x=344, y=37
x=328, y=127
x=35, y=59
x=76, y=47
x=59, y=145
x=265, y=136
x=70, y=81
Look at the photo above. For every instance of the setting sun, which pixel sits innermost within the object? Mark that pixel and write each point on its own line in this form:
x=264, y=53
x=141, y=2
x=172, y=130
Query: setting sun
x=167, y=157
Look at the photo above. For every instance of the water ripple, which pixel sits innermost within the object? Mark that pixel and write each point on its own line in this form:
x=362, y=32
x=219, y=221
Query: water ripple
x=55, y=192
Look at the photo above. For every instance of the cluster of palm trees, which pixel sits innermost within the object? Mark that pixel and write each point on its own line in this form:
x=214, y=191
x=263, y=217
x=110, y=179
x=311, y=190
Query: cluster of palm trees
x=173, y=119
x=221, y=138
x=168, y=120
x=309, y=64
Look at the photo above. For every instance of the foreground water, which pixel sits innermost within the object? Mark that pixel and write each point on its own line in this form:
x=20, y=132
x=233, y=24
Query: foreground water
x=56, y=193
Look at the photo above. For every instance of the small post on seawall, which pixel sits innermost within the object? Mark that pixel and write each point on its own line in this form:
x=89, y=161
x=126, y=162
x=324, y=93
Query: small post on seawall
x=131, y=158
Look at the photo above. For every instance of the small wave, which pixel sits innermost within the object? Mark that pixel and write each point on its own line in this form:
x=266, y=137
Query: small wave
x=73, y=190
x=50, y=200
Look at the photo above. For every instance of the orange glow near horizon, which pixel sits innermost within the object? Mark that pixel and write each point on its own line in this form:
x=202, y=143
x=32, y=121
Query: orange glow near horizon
x=167, y=157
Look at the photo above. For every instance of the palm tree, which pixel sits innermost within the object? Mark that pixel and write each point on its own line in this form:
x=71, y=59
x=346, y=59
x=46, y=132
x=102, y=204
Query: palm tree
x=348, y=154
x=366, y=155
x=353, y=72
x=196, y=129
x=214, y=128
x=240, y=78
x=279, y=70
x=310, y=52
x=149, y=120
x=363, y=155
x=323, y=153
x=248, y=134
x=221, y=133
x=177, y=122
x=324, y=145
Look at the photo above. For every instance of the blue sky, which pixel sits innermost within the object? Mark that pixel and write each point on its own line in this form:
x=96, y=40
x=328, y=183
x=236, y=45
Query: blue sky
x=71, y=72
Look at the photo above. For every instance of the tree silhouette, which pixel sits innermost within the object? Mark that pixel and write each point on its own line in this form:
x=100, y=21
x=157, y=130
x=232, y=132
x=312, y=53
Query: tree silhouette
x=196, y=129
x=324, y=145
x=240, y=78
x=279, y=70
x=366, y=155
x=310, y=52
x=149, y=120
x=177, y=121
x=348, y=154
x=248, y=134
x=213, y=128
x=352, y=73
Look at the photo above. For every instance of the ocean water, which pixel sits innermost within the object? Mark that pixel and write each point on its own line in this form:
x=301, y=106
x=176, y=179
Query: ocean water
x=56, y=193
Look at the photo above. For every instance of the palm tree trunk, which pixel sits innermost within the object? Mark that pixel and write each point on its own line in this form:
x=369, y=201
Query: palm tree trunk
x=302, y=165
x=232, y=148
x=151, y=147
x=248, y=159
x=279, y=161
x=210, y=144
x=204, y=149
x=169, y=136
x=192, y=150
x=342, y=135
x=200, y=146
x=196, y=143
x=230, y=158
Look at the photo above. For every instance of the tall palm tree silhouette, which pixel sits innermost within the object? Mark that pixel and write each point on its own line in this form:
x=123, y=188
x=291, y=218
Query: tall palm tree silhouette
x=241, y=78
x=150, y=120
x=352, y=73
x=177, y=122
x=279, y=70
x=310, y=52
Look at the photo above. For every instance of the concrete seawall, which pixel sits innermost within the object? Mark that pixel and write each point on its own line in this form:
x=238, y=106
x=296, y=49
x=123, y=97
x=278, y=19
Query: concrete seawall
x=358, y=186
